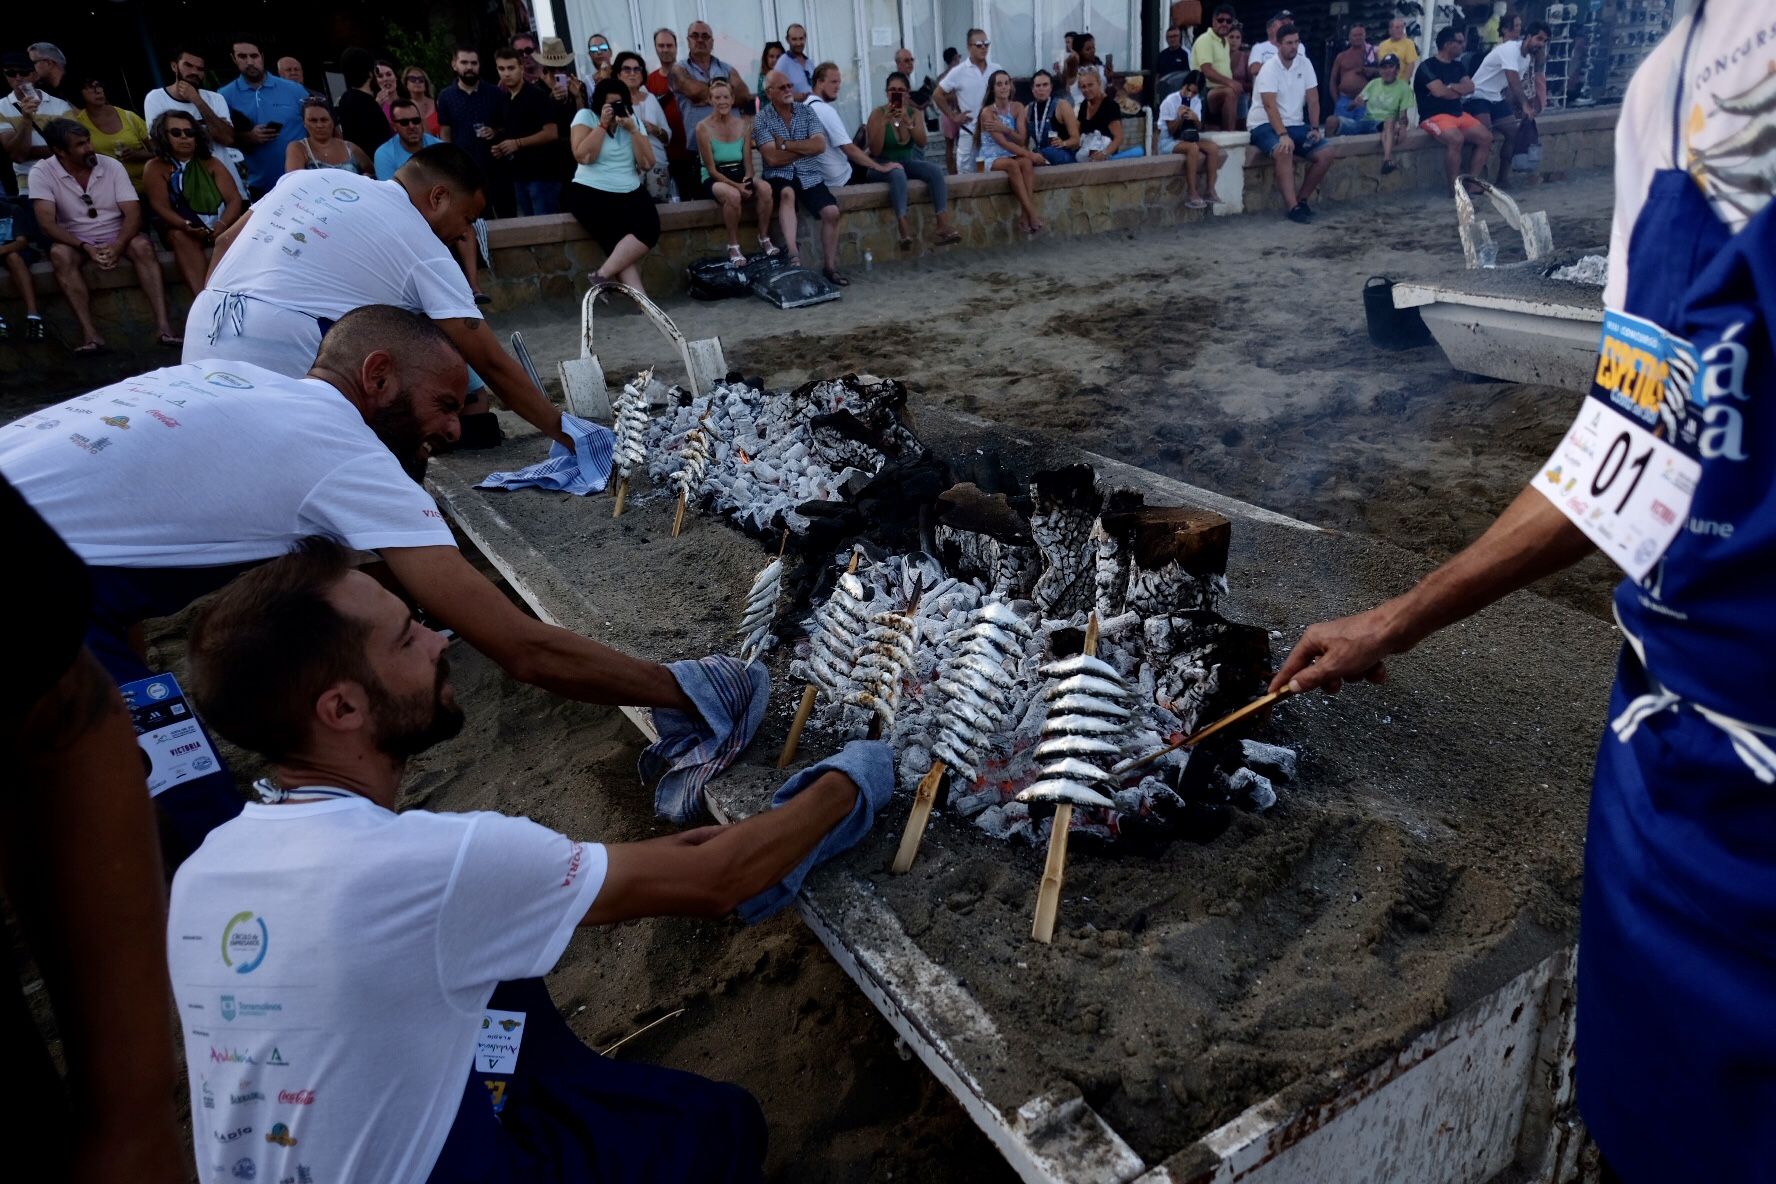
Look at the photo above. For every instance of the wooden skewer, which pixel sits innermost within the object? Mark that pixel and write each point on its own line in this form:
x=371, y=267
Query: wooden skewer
x=1201, y=734
x=678, y=519
x=809, y=693
x=923, y=799
x=1048, y=896
x=622, y=495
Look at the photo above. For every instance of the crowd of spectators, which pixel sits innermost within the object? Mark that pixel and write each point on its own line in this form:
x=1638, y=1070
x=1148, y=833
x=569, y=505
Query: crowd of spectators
x=610, y=147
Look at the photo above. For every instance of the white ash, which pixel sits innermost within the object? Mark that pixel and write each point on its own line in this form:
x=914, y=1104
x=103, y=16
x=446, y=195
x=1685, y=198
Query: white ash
x=791, y=455
x=1007, y=569
x=1111, y=558
x=1066, y=511
x=761, y=607
x=1251, y=790
x=1591, y=269
x=1273, y=760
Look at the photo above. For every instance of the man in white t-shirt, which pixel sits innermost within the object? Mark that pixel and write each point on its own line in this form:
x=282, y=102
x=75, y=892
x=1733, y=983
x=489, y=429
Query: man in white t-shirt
x=171, y=483
x=962, y=93
x=187, y=94
x=842, y=160
x=324, y=242
x=1502, y=90
x=24, y=113
x=1285, y=122
x=1266, y=50
x=344, y=973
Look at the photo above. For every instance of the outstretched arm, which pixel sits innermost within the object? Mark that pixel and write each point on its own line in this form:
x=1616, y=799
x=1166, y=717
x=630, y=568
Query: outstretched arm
x=556, y=659
x=503, y=375
x=711, y=871
x=1531, y=539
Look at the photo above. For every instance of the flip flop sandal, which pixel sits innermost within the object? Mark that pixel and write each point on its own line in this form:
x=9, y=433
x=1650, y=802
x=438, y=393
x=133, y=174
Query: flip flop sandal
x=793, y=261
x=954, y=236
x=771, y=251
x=89, y=348
x=833, y=276
x=735, y=255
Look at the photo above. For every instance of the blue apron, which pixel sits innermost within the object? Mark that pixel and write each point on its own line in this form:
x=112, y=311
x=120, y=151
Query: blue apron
x=1677, y=947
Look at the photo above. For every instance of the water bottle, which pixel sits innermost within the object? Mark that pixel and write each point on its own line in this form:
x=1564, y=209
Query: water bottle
x=869, y=261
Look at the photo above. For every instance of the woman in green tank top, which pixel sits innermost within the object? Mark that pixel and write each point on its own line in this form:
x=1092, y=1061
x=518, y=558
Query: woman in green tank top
x=724, y=141
x=896, y=133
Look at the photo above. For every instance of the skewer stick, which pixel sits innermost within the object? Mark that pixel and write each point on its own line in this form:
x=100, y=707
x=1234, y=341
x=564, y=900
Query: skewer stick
x=1048, y=896
x=1201, y=734
x=678, y=519
x=622, y=495
x=923, y=799
x=809, y=693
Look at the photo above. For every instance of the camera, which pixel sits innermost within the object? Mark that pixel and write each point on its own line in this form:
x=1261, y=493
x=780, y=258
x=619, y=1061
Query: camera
x=620, y=108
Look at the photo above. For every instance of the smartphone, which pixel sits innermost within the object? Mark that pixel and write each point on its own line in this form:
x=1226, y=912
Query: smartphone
x=28, y=91
x=275, y=127
x=897, y=100
x=560, y=80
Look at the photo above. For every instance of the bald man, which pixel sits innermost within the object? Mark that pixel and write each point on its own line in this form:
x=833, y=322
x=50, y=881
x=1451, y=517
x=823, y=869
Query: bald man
x=171, y=483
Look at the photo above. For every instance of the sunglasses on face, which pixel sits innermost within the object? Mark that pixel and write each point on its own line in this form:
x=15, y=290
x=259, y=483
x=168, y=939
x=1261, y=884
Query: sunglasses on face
x=412, y=122
x=416, y=78
x=702, y=36
x=180, y=133
x=602, y=47
x=980, y=44
x=629, y=69
x=525, y=51
x=17, y=72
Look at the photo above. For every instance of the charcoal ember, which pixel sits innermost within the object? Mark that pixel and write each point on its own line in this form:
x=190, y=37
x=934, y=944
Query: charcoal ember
x=1066, y=503
x=1251, y=791
x=1204, y=665
x=972, y=803
x=1273, y=760
x=1000, y=822
x=1204, y=776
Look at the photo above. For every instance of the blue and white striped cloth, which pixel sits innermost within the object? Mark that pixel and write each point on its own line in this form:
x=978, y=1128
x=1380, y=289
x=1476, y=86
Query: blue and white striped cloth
x=870, y=764
x=584, y=468
x=730, y=698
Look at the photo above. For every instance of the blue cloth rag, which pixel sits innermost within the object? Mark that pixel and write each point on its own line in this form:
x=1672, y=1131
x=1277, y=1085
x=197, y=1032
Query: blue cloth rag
x=870, y=763
x=730, y=698
x=584, y=468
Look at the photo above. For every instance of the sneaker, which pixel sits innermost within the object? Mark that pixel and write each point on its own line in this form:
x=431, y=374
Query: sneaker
x=34, y=329
x=1301, y=213
x=1388, y=166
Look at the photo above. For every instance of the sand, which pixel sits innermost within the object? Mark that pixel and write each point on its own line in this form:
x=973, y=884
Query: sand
x=1230, y=354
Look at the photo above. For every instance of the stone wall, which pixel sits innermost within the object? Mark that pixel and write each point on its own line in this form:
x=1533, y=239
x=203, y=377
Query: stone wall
x=547, y=259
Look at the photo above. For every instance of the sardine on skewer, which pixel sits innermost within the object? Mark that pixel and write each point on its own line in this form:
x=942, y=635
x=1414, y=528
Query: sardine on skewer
x=976, y=685
x=761, y=607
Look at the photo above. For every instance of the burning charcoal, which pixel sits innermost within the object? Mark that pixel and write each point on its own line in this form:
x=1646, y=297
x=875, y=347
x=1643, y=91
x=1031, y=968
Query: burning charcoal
x=1273, y=760
x=975, y=687
x=1066, y=507
x=1251, y=791
x=1082, y=734
x=761, y=606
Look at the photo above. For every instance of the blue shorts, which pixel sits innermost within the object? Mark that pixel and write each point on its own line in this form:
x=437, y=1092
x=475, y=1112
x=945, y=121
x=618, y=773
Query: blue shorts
x=1350, y=121
x=1265, y=139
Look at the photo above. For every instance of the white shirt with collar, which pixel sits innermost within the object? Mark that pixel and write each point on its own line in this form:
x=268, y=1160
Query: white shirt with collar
x=969, y=85
x=1290, y=84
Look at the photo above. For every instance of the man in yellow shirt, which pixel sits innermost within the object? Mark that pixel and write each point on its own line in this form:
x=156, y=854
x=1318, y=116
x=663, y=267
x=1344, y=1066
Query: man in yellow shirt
x=1401, y=46
x=1211, y=55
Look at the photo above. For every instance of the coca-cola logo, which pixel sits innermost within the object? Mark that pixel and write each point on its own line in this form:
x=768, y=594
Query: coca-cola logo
x=296, y=1097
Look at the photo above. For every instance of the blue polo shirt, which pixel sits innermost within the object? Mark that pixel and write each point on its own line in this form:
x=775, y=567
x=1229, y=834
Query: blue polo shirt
x=392, y=155
x=274, y=100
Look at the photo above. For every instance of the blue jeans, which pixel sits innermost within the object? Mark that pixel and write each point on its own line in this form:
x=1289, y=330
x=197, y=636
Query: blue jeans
x=1265, y=139
x=913, y=170
x=1350, y=122
x=537, y=197
x=1057, y=155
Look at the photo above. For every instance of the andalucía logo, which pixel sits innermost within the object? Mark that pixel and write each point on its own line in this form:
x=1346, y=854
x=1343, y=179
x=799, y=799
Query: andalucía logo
x=244, y=939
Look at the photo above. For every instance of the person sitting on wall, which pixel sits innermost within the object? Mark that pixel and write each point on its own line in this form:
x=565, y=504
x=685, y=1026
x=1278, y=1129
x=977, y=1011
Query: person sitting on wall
x=790, y=141
x=607, y=195
x=1100, y=121
x=1439, y=87
x=1001, y=139
x=1053, y=124
x=1213, y=55
x=1180, y=132
x=723, y=142
x=190, y=192
x=87, y=208
x=1386, y=102
x=895, y=133
x=396, y=959
x=1351, y=71
x=1289, y=125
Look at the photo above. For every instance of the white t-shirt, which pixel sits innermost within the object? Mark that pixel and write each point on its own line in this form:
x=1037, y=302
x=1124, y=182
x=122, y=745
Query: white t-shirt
x=324, y=242
x=1261, y=53
x=835, y=166
x=1725, y=65
x=969, y=85
x=210, y=464
x=159, y=102
x=1489, y=79
x=332, y=963
x=1290, y=84
x=1168, y=111
x=49, y=108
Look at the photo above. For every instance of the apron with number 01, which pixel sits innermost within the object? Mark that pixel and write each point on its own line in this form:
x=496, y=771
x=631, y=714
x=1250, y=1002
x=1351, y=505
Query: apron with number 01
x=1677, y=949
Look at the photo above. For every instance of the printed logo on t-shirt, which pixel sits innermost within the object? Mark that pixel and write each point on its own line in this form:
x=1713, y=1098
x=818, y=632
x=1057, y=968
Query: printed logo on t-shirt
x=238, y=1133
x=209, y=1095
x=277, y=1058
x=280, y=1134
x=120, y=422
x=231, y=381
x=244, y=941
x=244, y=1169
x=344, y=195
x=233, y=1006
x=296, y=1097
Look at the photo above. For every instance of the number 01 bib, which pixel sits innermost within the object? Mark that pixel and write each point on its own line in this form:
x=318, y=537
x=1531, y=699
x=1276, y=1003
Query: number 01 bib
x=1627, y=468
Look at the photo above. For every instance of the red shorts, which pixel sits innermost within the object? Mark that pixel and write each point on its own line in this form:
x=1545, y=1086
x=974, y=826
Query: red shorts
x=1439, y=124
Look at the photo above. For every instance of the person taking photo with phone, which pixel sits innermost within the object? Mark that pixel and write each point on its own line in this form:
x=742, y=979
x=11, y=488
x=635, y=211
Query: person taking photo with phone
x=606, y=196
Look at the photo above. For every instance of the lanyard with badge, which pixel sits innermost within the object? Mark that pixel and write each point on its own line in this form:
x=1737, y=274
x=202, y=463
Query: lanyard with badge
x=1628, y=467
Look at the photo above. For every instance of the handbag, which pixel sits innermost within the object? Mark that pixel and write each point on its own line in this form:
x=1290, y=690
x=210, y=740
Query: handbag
x=732, y=170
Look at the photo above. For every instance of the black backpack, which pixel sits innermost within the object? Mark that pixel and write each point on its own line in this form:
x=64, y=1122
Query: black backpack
x=715, y=278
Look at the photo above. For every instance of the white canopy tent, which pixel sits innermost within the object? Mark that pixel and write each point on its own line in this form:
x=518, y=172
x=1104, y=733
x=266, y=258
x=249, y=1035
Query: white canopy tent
x=862, y=35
